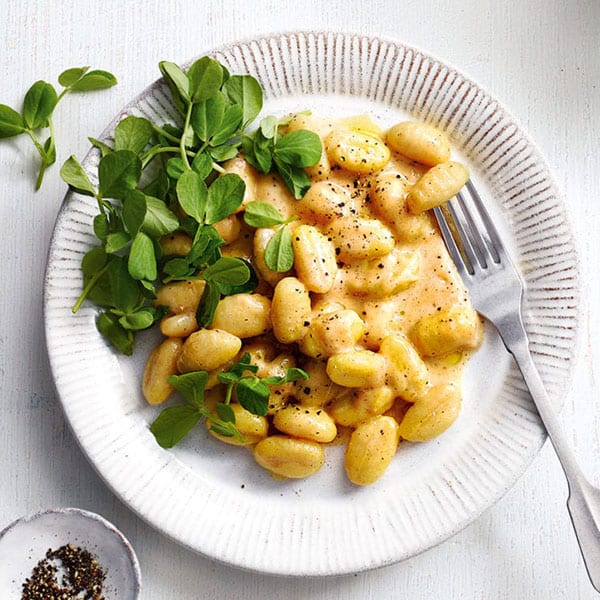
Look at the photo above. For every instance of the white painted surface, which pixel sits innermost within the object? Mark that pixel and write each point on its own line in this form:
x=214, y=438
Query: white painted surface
x=541, y=58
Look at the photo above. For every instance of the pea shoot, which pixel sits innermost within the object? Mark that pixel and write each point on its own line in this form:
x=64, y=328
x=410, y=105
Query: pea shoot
x=157, y=179
x=38, y=109
x=251, y=391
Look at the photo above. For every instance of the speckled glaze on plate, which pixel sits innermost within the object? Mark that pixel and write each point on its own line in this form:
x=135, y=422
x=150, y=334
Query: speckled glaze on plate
x=212, y=498
x=24, y=543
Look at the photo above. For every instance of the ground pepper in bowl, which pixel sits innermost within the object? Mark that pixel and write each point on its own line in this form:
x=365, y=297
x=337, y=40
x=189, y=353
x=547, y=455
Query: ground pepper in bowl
x=82, y=577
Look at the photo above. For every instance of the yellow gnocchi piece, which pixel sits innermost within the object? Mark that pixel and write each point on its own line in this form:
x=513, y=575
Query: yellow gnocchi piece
x=407, y=372
x=431, y=415
x=357, y=151
x=447, y=330
x=289, y=457
x=243, y=315
x=179, y=325
x=253, y=428
x=290, y=310
x=357, y=369
x=180, y=296
x=332, y=332
x=161, y=364
x=324, y=202
x=437, y=186
x=176, y=244
x=207, y=349
x=306, y=422
x=418, y=141
x=385, y=276
x=314, y=259
x=360, y=405
x=357, y=238
x=370, y=450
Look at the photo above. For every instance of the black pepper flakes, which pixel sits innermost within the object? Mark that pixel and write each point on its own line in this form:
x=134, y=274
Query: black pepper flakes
x=83, y=576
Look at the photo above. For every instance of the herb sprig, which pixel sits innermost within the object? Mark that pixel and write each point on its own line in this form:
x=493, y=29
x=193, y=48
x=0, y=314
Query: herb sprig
x=252, y=393
x=279, y=252
x=288, y=154
x=38, y=108
x=156, y=179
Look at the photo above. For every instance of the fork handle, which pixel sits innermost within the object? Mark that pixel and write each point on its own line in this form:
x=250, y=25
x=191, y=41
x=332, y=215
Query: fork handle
x=584, y=499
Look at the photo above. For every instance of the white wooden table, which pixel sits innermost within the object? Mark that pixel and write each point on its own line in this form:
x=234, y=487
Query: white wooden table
x=541, y=58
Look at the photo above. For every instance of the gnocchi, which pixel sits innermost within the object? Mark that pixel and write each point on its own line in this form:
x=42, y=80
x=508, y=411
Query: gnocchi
x=371, y=307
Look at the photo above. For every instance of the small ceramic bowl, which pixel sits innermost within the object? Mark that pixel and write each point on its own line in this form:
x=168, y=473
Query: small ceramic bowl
x=25, y=542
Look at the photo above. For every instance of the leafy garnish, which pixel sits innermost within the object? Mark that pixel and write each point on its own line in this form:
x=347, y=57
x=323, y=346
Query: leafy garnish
x=286, y=154
x=279, y=253
x=240, y=381
x=38, y=108
x=155, y=179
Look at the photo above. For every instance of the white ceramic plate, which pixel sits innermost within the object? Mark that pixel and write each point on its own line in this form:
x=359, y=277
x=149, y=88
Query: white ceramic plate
x=213, y=498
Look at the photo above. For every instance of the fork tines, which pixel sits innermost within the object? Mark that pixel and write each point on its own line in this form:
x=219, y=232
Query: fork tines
x=468, y=231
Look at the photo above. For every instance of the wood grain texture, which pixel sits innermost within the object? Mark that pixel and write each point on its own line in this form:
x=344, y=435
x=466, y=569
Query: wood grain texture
x=540, y=58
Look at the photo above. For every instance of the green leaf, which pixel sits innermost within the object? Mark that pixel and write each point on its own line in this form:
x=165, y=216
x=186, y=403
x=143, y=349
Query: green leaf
x=227, y=271
x=300, y=148
x=243, y=365
x=178, y=268
x=268, y=127
x=70, y=76
x=159, y=186
x=142, y=260
x=141, y=319
x=225, y=412
x=230, y=125
x=222, y=153
x=133, y=133
x=175, y=167
x=173, y=424
x=192, y=194
x=226, y=430
x=119, y=172
x=258, y=151
x=101, y=226
x=38, y=104
x=253, y=395
x=244, y=288
x=124, y=290
x=104, y=148
x=202, y=164
x=75, y=176
x=205, y=246
x=207, y=116
x=93, y=261
x=208, y=304
x=295, y=178
x=247, y=92
x=94, y=80
x=205, y=77
x=116, y=241
x=227, y=377
x=159, y=219
x=11, y=122
x=50, y=150
x=225, y=196
x=191, y=386
x=279, y=253
x=262, y=214
x=178, y=83
x=108, y=325
x=134, y=211
x=292, y=374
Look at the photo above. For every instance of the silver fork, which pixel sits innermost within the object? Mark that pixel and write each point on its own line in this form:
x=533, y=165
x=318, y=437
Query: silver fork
x=496, y=291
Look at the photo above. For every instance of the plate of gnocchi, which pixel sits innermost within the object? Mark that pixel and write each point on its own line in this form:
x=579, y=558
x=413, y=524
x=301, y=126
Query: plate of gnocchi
x=254, y=327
